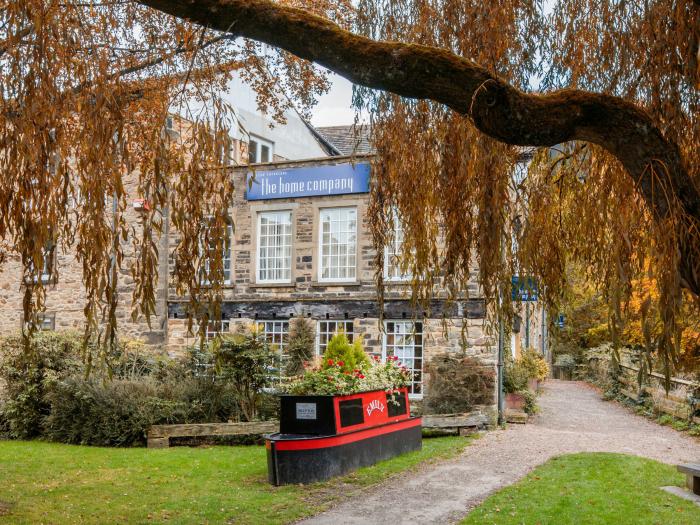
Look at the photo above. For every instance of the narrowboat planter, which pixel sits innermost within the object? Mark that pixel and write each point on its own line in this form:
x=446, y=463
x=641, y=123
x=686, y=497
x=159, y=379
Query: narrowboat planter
x=322, y=436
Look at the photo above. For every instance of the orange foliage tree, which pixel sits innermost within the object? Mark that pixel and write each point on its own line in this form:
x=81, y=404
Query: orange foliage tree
x=454, y=90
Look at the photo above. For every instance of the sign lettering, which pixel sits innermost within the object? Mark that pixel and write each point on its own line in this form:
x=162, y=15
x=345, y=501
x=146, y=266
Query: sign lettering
x=306, y=410
x=375, y=404
x=308, y=181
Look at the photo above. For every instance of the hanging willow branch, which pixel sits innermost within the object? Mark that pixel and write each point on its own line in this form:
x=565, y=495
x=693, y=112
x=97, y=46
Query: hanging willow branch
x=497, y=108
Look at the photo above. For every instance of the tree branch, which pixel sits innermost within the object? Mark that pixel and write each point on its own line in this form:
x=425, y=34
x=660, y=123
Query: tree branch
x=497, y=108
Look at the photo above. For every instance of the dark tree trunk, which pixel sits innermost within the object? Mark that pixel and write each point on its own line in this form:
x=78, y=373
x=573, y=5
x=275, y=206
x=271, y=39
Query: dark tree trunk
x=497, y=108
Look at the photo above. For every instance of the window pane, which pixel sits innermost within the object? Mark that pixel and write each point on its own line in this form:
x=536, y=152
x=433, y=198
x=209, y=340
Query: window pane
x=403, y=339
x=393, y=251
x=275, y=246
x=208, y=254
x=338, y=243
x=327, y=329
x=252, y=152
x=264, y=153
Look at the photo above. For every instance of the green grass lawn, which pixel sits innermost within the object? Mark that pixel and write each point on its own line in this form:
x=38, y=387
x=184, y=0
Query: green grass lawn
x=585, y=489
x=53, y=483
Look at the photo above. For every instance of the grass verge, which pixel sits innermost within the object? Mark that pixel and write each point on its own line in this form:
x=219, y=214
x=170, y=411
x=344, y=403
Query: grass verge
x=54, y=483
x=590, y=489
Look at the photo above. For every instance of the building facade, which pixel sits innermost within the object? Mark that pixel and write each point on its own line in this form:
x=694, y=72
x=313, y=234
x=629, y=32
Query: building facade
x=301, y=247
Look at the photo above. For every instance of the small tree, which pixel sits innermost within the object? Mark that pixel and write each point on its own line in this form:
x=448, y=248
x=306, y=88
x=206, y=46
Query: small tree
x=349, y=357
x=244, y=360
x=300, y=347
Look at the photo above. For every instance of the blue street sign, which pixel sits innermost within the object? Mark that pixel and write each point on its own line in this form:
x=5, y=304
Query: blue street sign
x=560, y=320
x=308, y=181
x=523, y=289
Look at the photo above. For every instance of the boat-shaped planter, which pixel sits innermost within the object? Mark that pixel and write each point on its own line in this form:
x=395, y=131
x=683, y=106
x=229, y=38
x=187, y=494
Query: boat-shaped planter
x=325, y=436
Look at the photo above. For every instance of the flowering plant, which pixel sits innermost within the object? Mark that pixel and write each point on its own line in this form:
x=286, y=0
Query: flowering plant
x=330, y=377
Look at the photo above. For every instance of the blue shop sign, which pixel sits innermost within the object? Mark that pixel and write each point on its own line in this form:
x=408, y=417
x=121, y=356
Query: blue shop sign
x=523, y=289
x=308, y=181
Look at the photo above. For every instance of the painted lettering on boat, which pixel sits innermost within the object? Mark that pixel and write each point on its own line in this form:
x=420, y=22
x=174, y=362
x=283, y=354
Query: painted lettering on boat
x=373, y=405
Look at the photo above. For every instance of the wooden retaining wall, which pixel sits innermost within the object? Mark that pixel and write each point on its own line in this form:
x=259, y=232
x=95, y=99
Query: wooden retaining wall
x=159, y=435
x=672, y=403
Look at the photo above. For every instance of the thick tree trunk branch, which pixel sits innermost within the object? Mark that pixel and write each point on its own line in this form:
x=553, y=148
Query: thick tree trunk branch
x=497, y=109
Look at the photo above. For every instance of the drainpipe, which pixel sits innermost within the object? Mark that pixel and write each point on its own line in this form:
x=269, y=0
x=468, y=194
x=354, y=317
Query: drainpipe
x=527, y=325
x=501, y=394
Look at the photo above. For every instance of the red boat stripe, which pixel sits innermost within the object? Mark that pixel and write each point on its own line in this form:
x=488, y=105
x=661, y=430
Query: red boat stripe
x=344, y=439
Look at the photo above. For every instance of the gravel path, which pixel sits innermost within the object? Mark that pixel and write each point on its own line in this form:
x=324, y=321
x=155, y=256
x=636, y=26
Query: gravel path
x=573, y=418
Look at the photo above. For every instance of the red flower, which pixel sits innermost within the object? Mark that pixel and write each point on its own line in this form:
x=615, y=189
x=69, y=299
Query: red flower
x=330, y=362
x=361, y=376
x=340, y=363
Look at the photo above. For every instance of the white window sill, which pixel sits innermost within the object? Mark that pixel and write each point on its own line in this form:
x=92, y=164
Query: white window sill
x=353, y=282
x=265, y=284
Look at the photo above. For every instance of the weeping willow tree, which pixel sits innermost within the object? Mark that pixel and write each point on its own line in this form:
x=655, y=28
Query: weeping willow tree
x=604, y=92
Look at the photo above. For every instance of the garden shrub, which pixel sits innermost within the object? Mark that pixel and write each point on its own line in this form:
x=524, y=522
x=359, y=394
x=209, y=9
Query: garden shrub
x=120, y=412
x=530, y=402
x=515, y=376
x=28, y=373
x=331, y=376
x=349, y=356
x=47, y=392
x=534, y=363
x=243, y=361
x=300, y=346
x=457, y=383
x=115, y=413
x=565, y=361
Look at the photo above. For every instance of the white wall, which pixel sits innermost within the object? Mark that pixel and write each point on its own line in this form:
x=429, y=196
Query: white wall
x=292, y=140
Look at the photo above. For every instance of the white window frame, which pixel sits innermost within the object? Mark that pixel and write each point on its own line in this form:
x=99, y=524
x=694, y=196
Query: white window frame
x=211, y=331
x=48, y=261
x=259, y=143
x=352, y=267
x=280, y=331
x=327, y=334
x=393, y=251
x=44, y=322
x=413, y=359
x=258, y=259
x=204, y=253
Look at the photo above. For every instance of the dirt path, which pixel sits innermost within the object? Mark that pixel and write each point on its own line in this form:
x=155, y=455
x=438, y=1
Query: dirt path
x=573, y=419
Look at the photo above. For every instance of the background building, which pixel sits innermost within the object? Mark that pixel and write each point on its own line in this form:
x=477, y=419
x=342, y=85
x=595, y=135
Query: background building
x=301, y=247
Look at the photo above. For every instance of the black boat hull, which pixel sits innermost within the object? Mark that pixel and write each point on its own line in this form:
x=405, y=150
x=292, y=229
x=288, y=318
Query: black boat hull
x=308, y=460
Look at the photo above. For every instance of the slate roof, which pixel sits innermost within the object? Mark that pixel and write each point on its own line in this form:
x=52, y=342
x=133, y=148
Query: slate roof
x=349, y=140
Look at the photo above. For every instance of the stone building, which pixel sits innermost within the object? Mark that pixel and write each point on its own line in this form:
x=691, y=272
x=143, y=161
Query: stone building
x=301, y=247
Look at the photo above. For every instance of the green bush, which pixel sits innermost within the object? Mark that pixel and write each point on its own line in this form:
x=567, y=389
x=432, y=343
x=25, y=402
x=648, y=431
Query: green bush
x=530, y=402
x=515, y=376
x=349, y=357
x=300, y=347
x=457, y=383
x=565, y=361
x=243, y=361
x=120, y=412
x=534, y=363
x=28, y=373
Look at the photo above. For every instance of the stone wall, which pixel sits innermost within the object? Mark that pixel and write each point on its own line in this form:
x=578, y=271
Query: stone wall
x=65, y=296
